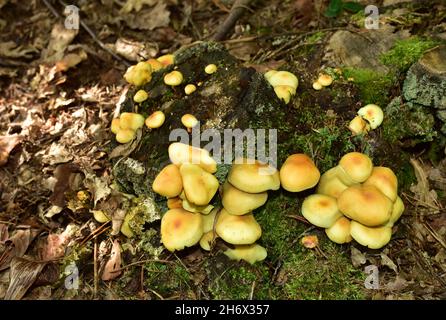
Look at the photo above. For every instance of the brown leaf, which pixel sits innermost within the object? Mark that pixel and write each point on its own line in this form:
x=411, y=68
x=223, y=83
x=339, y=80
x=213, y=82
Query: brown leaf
x=23, y=274
x=71, y=60
x=157, y=17
x=113, y=264
x=16, y=246
x=63, y=174
x=386, y=261
x=358, y=258
x=4, y=234
x=61, y=37
x=56, y=243
x=422, y=190
x=7, y=144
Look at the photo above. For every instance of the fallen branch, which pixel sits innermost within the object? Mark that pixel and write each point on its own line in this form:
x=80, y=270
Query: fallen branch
x=237, y=10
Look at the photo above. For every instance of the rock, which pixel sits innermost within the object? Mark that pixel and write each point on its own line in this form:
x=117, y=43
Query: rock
x=425, y=82
x=362, y=50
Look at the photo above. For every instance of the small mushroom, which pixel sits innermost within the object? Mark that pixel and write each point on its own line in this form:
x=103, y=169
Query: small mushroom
x=283, y=93
x=365, y=204
x=397, y=211
x=325, y=80
x=166, y=60
x=237, y=202
x=199, y=185
x=189, y=121
x=310, y=242
x=168, y=182
x=299, y=173
x=174, y=78
x=253, y=176
x=354, y=167
x=339, y=232
x=374, y=238
x=385, y=181
x=373, y=114
x=139, y=74
x=283, y=78
x=115, y=125
x=155, y=64
x=140, y=96
x=210, y=68
x=250, y=253
x=190, y=88
x=175, y=203
x=180, y=229
x=358, y=126
x=269, y=74
x=187, y=205
x=207, y=239
x=180, y=153
x=100, y=216
x=131, y=120
x=155, y=120
x=237, y=229
x=125, y=135
x=321, y=210
x=317, y=86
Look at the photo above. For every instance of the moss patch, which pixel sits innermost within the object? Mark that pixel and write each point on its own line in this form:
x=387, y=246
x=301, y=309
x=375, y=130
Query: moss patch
x=406, y=52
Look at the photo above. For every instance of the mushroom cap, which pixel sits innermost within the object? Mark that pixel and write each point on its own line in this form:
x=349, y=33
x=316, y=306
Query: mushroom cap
x=187, y=205
x=125, y=135
x=237, y=229
x=140, y=96
x=188, y=89
x=189, y=121
x=208, y=220
x=238, y=202
x=325, y=80
x=155, y=120
x=155, y=64
x=354, y=167
x=385, y=181
x=174, y=203
x=317, y=86
x=166, y=59
x=180, y=153
x=365, y=204
x=173, y=78
x=207, y=239
x=115, y=125
x=283, y=78
x=180, y=229
x=374, y=238
x=373, y=114
x=283, y=93
x=253, y=176
x=131, y=120
x=398, y=209
x=139, y=74
x=269, y=74
x=249, y=253
x=358, y=126
x=210, y=68
x=339, y=232
x=299, y=173
x=168, y=182
x=330, y=184
x=321, y=210
x=199, y=185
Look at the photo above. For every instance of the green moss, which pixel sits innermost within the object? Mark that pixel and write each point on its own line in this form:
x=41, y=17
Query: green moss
x=406, y=52
x=374, y=87
x=308, y=274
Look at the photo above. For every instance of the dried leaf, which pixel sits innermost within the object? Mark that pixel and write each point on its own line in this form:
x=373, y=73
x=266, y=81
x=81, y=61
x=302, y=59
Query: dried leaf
x=16, y=247
x=11, y=50
x=358, y=258
x=23, y=274
x=117, y=220
x=7, y=144
x=131, y=50
x=61, y=37
x=56, y=243
x=422, y=190
x=159, y=16
x=64, y=174
x=97, y=186
x=397, y=285
x=4, y=234
x=136, y=5
x=56, y=154
x=113, y=264
x=125, y=150
x=386, y=261
x=71, y=60
x=310, y=242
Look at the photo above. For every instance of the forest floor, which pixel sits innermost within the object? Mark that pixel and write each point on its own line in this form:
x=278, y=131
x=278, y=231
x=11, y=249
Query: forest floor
x=58, y=93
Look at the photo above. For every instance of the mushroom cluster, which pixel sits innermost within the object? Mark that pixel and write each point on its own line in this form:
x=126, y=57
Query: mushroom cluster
x=284, y=83
x=356, y=200
x=126, y=125
x=324, y=80
x=369, y=117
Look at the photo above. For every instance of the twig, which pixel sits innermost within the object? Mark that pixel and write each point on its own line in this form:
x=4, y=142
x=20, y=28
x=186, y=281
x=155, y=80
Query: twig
x=95, y=268
x=237, y=10
x=143, y=261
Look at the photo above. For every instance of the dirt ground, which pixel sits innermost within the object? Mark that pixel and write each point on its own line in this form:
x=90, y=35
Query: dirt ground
x=58, y=94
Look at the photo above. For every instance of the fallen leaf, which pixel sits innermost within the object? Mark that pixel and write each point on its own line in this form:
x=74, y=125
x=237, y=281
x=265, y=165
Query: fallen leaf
x=61, y=37
x=117, y=220
x=113, y=264
x=7, y=144
x=11, y=50
x=56, y=243
x=56, y=154
x=98, y=186
x=71, y=60
x=64, y=174
x=23, y=274
x=136, y=5
x=16, y=246
x=4, y=234
x=357, y=257
x=157, y=17
x=386, y=261
x=125, y=150
x=132, y=50
x=422, y=190
x=397, y=285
